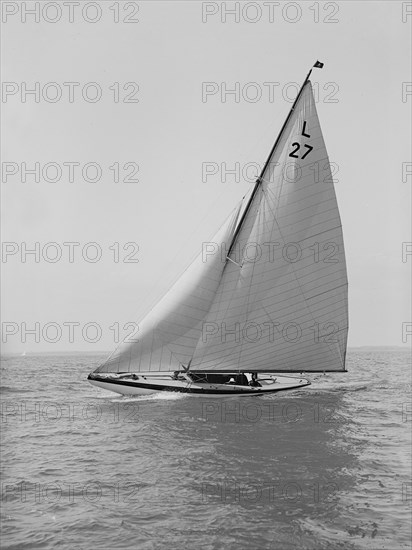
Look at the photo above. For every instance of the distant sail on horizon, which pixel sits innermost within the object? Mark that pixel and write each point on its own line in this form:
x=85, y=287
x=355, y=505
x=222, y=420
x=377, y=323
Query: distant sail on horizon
x=278, y=302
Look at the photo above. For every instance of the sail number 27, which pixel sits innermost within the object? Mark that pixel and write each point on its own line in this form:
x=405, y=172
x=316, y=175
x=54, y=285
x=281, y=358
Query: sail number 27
x=296, y=145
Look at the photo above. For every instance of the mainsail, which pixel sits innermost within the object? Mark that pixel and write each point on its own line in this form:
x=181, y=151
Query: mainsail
x=282, y=302
x=278, y=301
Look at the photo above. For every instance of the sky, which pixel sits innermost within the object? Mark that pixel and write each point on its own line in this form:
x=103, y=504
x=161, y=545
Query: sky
x=133, y=132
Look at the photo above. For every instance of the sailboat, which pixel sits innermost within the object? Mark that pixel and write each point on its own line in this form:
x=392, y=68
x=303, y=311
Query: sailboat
x=274, y=303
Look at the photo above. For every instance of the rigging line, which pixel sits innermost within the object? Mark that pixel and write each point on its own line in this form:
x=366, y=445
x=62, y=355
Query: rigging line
x=240, y=272
x=218, y=295
x=292, y=267
x=255, y=224
x=163, y=345
x=217, y=298
x=229, y=353
x=326, y=291
x=220, y=292
x=233, y=261
x=272, y=151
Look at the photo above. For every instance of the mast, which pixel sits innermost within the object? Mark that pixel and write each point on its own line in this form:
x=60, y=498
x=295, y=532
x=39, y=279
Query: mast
x=319, y=65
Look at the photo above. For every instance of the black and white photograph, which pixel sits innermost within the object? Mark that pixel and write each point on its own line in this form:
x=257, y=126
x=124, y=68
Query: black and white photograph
x=206, y=258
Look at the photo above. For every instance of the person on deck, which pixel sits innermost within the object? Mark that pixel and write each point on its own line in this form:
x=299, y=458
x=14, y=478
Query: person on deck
x=254, y=381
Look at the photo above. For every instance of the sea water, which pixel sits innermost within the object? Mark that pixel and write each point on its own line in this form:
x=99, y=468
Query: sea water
x=324, y=467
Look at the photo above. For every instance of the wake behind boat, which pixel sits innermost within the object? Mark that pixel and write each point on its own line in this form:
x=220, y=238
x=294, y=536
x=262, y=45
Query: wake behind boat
x=275, y=302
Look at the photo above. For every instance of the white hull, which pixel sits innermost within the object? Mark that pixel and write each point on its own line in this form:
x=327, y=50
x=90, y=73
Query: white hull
x=152, y=383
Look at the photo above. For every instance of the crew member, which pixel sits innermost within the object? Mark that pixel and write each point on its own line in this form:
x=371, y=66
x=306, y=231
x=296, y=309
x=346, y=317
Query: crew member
x=254, y=381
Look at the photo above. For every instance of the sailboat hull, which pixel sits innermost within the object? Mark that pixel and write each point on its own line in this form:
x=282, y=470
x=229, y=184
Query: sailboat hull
x=152, y=384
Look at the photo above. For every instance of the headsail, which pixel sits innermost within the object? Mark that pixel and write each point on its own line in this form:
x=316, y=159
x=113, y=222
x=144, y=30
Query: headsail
x=282, y=302
x=167, y=336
